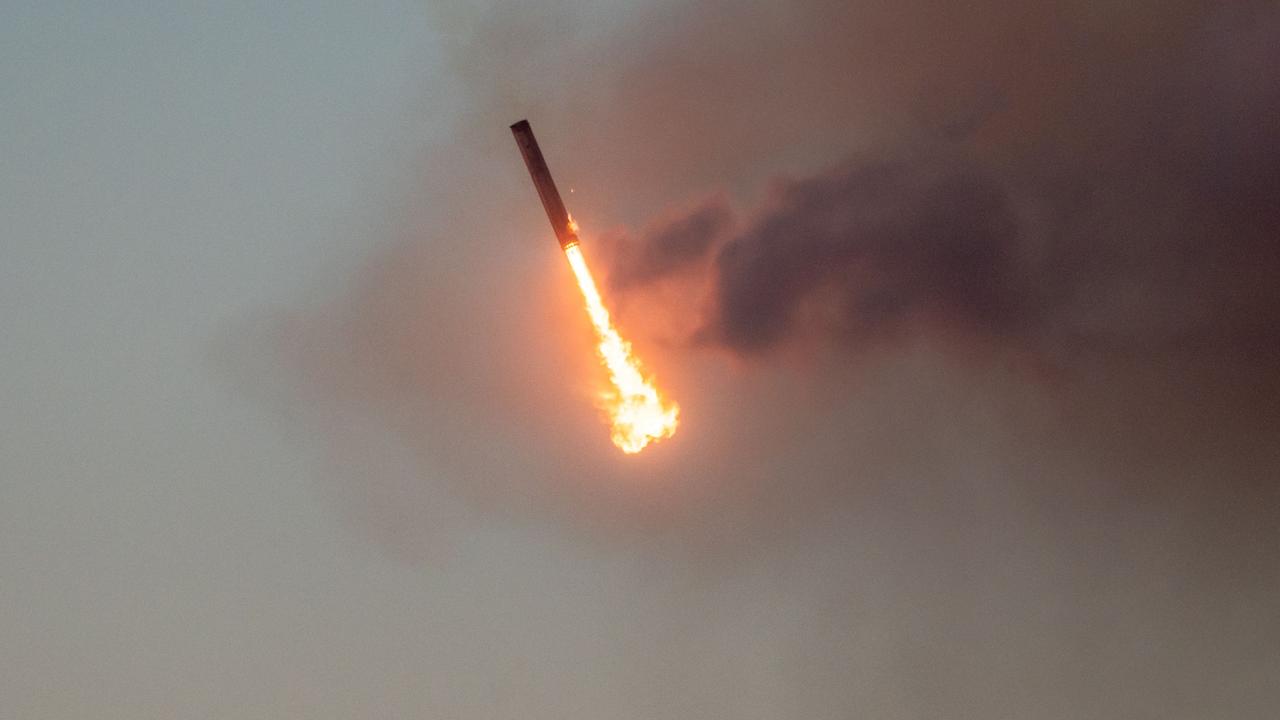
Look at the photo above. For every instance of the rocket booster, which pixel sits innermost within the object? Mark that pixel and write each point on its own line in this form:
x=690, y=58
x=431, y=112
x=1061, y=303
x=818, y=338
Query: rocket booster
x=547, y=191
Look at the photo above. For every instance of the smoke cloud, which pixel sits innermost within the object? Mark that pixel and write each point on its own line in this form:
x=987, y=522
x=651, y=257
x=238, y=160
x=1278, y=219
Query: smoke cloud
x=879, y=247
x=1139, y=220
x=671, y=247
x=974, y=342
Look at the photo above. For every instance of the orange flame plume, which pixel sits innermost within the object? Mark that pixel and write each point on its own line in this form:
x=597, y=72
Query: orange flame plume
x=637, y=410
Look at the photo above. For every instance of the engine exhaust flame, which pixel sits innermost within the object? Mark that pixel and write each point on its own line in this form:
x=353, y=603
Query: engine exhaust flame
x=638, y=412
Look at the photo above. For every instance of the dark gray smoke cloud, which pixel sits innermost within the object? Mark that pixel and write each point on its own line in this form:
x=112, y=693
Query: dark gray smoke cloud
x=881, y=246
x=1140, y=219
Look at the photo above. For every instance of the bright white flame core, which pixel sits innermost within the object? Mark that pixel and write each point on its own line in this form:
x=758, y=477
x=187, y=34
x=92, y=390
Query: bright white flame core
x=636, y=409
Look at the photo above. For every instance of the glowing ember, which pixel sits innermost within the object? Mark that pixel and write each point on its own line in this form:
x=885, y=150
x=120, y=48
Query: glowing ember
x=639, y=414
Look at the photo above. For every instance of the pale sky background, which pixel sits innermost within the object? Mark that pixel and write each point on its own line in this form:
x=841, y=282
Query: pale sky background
x=226, y=229
x=168, y=169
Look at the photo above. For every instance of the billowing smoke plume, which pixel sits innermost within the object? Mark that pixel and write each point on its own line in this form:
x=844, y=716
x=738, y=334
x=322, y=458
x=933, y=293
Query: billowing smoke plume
x=872, y=250
x=1087, y=191
x=1141, y=220
x=886, y=527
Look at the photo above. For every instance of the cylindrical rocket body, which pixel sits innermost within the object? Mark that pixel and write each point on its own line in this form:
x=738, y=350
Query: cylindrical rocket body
x=547, y=191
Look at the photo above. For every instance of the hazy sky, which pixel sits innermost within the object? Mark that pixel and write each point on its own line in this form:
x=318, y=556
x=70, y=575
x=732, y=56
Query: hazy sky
x=169, y=169
x=981, y=416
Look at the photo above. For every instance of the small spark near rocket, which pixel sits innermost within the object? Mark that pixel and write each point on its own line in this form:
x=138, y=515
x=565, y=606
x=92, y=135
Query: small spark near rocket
x=638, y=412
